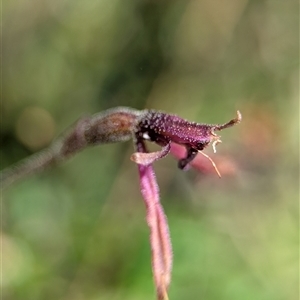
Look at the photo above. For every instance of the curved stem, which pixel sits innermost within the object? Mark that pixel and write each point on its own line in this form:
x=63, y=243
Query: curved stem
x=110, y=126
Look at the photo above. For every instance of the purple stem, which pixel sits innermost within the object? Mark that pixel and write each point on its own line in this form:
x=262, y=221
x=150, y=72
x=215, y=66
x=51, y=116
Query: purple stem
x=161, y=248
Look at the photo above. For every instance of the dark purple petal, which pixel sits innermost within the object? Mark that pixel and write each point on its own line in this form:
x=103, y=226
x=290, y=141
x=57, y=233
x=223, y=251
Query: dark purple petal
x=226, y=165
x=163, y=128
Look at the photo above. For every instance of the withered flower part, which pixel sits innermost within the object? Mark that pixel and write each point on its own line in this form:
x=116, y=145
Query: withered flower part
x=122, y=124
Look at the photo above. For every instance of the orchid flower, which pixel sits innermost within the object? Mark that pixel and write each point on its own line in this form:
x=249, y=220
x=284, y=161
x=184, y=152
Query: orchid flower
x=122, y=124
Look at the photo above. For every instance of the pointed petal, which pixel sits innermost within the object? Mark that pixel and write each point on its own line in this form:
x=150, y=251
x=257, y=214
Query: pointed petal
x=149, y=158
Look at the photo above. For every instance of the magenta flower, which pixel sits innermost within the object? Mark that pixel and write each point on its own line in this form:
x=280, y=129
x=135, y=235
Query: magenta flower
x=121, y=124
x=165, y=129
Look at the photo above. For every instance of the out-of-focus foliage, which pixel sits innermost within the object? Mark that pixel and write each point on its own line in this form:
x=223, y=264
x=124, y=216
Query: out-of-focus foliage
x=78, y=231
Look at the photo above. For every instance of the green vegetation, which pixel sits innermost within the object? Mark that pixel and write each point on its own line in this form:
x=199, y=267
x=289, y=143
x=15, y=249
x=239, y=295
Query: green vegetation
x=78, y=231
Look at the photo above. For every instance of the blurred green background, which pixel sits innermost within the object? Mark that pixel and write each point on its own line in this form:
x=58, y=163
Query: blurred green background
x=78, y=231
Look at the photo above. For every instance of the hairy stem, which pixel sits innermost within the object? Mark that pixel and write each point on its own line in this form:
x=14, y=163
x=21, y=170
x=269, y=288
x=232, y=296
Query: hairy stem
x=113, y=125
